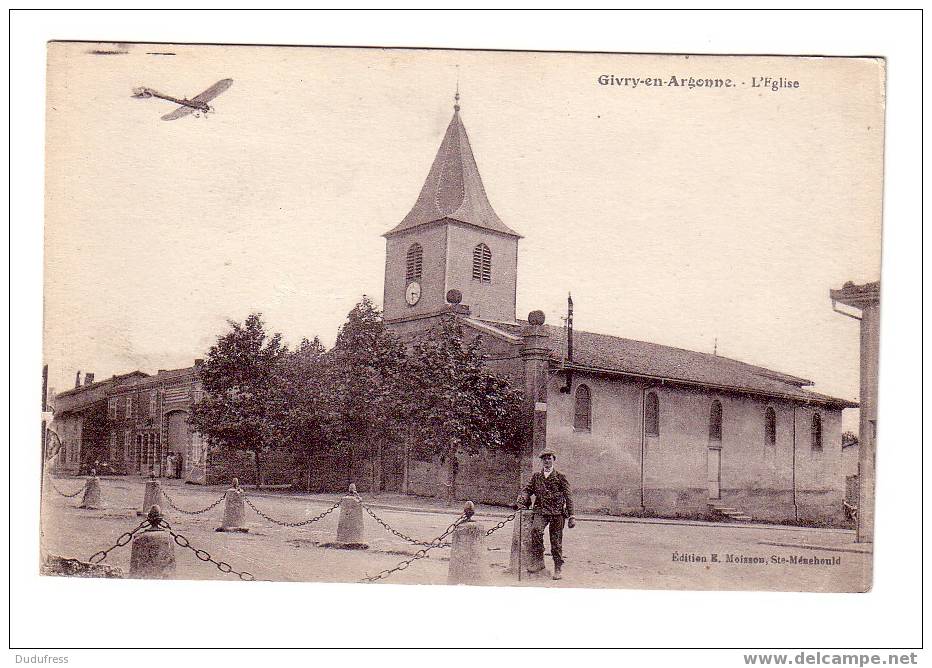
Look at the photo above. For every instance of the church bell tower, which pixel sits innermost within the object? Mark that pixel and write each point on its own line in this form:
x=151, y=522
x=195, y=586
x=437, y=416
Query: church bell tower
x=451, y=239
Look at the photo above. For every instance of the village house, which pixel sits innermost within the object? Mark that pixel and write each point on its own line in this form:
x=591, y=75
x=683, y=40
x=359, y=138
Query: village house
x=639, y=428
x=150, y=431
x=78, y=434
x=149, y=420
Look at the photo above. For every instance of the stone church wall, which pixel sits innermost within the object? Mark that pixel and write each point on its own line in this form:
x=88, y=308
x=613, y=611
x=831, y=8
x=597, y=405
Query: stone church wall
x=432, y=239
x=604, y=465
x=494, y=300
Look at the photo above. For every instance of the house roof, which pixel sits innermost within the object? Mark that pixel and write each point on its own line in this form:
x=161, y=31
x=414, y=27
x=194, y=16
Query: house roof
x=453, y=188
x=857, y=296
x=85, y=396
x=163, y=376
x=614, y=355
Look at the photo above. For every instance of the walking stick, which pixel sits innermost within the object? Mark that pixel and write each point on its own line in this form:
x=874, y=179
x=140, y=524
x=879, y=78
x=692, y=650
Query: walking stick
x=520, y=539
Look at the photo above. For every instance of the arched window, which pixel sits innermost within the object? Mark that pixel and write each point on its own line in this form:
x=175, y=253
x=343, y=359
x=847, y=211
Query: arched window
x=415, y=262
x=816, y=431
x=652, y=414
x=482, y=263
x=582, y=418
x=770, y=426
x=715, y=421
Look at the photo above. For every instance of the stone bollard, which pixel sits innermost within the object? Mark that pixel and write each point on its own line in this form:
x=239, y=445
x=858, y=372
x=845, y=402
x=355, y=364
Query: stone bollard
x=234, y=510
x=466, y=551
x=525, y=562
x=153, y=552
x=91, y=499
x=153, y=495
x=350, y=532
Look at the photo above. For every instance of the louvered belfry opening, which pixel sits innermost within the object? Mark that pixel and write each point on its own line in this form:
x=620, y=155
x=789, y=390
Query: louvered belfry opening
x=415, y=262
x=482, y=264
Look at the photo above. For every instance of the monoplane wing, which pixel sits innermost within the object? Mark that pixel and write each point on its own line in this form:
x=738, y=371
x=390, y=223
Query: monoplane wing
x=202, y=98
x=180, y=112
x=213, y=91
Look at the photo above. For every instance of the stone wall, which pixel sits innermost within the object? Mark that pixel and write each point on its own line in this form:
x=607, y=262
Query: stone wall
x=487, y=477
x=278, y=468
x=604, y=463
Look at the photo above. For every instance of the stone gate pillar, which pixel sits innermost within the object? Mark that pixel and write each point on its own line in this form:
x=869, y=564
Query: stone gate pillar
x=535, y=351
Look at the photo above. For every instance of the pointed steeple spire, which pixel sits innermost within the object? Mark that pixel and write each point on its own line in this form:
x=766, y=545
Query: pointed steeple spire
x=453, y=188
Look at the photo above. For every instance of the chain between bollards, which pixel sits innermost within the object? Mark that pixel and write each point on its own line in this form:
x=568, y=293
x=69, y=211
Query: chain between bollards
x=420, y=554
x=291, y=524
x=67, y=496
x=502, y=523
x=395, y=531
x=172, y=503
x=120, y=542
x=204, y=555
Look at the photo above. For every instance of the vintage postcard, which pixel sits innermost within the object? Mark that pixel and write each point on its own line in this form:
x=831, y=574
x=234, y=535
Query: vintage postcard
x=461, y=317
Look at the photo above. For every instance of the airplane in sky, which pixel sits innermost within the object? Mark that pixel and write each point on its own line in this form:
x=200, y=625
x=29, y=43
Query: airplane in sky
x=196, y=104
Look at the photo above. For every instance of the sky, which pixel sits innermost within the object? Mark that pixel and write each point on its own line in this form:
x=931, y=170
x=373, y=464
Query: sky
x=674, y=215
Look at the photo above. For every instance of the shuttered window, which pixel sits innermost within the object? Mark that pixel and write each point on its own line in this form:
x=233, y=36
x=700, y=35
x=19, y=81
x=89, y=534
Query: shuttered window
x=770, y=426
x=582, y=418
x=715, y=421
x=414, y=264
x=652, y=414
x=482, y=263
x=816, y=432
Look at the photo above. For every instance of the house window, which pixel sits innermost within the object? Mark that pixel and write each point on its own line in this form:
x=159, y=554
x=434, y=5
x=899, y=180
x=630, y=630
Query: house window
x=153, y=402
x=770, y=426
x=415, y=262
x=129, y=407
x=112, y=408
x=127, y=440
x=113, y=446
x=817, y=432
x=715, y=421
x=582, y=418
x=652, y=414
x=482, y=264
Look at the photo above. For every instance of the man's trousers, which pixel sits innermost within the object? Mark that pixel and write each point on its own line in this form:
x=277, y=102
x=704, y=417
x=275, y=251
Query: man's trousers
x=555, y=523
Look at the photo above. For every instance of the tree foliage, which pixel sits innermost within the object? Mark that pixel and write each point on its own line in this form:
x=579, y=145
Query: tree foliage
x=849, y=438
x=367, y=363
x=435, y=399
x=454, y=402
x=238, y=377
x=304, y=415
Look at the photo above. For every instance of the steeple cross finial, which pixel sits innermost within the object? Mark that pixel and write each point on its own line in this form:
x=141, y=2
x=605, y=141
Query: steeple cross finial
x=456, y=98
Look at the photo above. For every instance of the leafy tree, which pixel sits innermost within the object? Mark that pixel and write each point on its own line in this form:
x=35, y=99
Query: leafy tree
x=366, y=365
x=305, y=415
x=456, y=404
x=238, y=377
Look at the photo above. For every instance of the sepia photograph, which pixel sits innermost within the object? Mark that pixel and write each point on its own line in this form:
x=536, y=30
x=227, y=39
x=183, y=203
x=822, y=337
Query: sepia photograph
x=443, y=317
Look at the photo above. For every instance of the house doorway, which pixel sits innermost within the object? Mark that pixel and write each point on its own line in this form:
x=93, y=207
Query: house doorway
x=179, y=441
x=715, y=473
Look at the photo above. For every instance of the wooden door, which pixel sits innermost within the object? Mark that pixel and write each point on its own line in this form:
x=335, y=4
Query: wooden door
x=715, y=473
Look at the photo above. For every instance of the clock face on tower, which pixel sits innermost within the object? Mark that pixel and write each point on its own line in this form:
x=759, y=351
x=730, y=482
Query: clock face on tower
x=413, y=293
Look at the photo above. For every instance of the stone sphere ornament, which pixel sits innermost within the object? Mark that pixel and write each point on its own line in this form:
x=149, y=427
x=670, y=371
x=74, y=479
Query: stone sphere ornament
x=536, y=318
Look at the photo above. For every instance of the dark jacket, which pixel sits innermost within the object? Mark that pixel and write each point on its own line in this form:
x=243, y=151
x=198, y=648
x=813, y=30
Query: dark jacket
x=551, y=495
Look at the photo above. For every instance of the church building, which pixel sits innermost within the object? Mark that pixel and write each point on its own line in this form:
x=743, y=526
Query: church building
x=638, y=428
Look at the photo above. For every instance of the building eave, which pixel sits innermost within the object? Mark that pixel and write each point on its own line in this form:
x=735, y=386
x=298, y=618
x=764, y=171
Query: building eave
x=818, y=400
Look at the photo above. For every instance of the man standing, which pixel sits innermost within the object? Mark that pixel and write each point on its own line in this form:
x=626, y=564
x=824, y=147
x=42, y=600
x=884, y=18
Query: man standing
x=552, y=505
